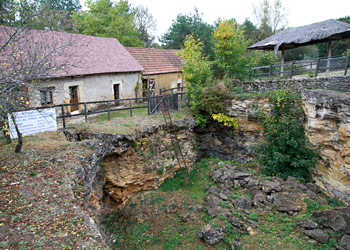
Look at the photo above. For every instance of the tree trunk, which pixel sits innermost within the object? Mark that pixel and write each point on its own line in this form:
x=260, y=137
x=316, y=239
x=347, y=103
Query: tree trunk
x=19, y=145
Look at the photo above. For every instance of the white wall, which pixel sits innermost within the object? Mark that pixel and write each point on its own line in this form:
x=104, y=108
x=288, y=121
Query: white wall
x=90, y=88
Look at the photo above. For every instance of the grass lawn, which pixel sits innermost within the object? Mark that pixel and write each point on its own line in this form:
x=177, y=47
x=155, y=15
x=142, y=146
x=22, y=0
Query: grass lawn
x=121, y=122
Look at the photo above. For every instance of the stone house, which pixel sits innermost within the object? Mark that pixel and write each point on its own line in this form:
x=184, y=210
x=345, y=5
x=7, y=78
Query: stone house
x=97, y=69
x=162, y=69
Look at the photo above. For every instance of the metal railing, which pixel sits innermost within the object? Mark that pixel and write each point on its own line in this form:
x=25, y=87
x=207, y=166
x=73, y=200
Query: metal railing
x=172, y=90
x=327, y=65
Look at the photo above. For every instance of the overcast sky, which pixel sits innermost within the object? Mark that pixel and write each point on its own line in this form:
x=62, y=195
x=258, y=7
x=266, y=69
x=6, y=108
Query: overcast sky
x=300, y=12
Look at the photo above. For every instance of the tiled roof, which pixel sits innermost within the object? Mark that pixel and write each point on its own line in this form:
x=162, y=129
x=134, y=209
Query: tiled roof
x=87, y=54
x=157, y=61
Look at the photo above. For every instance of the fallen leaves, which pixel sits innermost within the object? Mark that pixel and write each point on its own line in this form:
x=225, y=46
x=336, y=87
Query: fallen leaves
x=37, y=205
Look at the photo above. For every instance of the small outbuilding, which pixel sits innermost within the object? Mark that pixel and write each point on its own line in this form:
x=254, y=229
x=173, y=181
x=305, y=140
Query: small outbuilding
x=321, y=32
x=96, y=68
x=162, y=69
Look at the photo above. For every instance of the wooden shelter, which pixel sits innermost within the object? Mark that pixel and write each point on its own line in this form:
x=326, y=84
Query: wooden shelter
x=320, y=32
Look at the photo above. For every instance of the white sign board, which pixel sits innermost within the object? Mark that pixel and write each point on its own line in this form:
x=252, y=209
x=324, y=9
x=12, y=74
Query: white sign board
x=33, y=121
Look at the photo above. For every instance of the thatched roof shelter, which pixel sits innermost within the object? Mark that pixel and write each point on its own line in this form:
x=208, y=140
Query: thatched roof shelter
x=305, y=35
x=314, y=33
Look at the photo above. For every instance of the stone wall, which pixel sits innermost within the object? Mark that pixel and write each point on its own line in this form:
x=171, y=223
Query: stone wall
x=338, y=83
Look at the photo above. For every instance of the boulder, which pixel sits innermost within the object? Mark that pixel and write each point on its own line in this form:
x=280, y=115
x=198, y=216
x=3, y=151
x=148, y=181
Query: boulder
x=223, y=196
x=243, y=202
x=213, y=190
x=292, y=182
x=271, y=186
x=318, y=235
x=242, y=175
x=213, y=205
x=345, y=242
x=287, y=202
x=259, y=198
x=333, y=219
x=307, y=224
x=224, y=175
x=313, y=187
x=236, y=244
x=211, y=235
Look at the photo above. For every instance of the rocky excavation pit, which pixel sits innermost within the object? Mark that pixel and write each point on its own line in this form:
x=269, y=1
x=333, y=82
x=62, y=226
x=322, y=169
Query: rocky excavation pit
x=122, y=166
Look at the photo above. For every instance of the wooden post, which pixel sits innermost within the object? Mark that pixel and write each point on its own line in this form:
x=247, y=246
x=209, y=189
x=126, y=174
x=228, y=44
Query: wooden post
x=291, y=71
x=317, y=66
x=63, y=120
x=346, y=64
x=329, y=55
x=108, y=110
x=282, y=62
x=148, y=100
x=250, y=72
x=85, y=112
x=130, y=107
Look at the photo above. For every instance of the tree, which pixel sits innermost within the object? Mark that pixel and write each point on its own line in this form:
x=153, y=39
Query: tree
x=108, y=19
x=27, y=57
x=40, y=14
x=270, y=17
x=17, y=12
x=230, y=49
x=185, y=25
x=250, y=31
x=56, y=15
x=146, y=26
x=197, y=74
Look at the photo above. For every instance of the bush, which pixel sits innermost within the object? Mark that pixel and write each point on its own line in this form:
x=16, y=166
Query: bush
x=286, y=150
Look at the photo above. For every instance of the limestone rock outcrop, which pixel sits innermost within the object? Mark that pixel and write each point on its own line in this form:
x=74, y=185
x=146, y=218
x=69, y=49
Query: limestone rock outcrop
x=328, y=127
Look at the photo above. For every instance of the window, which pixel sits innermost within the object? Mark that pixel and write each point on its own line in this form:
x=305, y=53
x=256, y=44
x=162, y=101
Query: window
x=46, y=96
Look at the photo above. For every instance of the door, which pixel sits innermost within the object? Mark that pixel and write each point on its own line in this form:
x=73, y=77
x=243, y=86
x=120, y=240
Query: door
x=73, y=91
x=116, y=93
x=144, y=87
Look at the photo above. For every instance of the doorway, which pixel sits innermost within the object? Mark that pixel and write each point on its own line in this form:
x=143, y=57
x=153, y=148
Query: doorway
x=144, y=87
x=73, y=92
x=116, y=90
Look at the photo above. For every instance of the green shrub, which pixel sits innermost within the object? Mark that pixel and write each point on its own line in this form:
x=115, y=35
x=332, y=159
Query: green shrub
x=286, y=150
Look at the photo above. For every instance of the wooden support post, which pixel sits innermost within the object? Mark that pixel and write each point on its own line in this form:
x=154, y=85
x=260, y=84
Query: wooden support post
x=148, y=100
x=282, y=62
x=346, y=64
x=85, y=112
x=108, y=110
x=130, y=107
x=291, y=71
x=317, y=66
x=329, y=56
x=63, y=119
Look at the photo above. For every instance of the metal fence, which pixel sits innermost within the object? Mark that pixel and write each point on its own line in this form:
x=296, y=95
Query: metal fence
x=171, y=100
x=328, y=65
